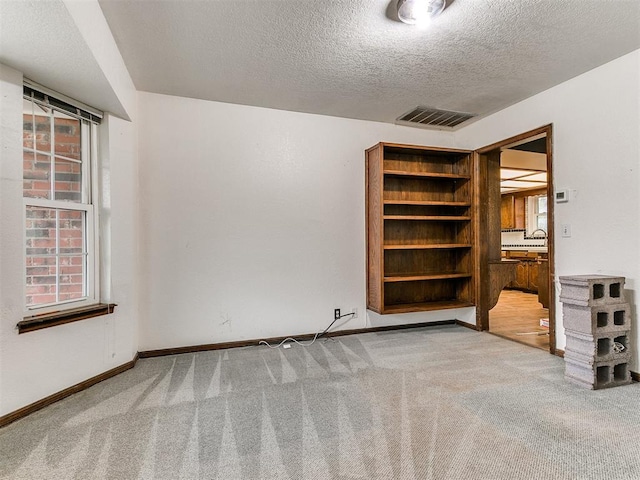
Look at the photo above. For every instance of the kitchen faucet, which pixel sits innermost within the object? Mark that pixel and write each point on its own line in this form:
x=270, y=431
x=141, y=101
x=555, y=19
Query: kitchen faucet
x=546, y=237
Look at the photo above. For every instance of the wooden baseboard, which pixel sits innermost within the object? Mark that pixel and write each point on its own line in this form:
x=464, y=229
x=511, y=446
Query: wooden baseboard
x=29, y=409
x=276, y=340
x=34, y=407
x=468, y=325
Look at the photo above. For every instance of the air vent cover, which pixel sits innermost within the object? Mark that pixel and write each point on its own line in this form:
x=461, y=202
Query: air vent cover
x=433, y=117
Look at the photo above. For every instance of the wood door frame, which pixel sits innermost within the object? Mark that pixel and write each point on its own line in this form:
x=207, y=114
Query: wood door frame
x=481, y=269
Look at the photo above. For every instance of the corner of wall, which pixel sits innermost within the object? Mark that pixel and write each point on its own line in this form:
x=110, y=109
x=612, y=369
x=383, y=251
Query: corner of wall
x=93, y=26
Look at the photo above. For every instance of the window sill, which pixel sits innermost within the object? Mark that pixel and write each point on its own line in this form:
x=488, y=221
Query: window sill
x=37, y=322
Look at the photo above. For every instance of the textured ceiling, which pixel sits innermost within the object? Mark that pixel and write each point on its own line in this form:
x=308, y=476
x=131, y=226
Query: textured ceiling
x=41, y=39
x=348, y=58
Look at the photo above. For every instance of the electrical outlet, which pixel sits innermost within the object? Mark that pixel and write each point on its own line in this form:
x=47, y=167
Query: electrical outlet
x=336, y=314
x=354, y=312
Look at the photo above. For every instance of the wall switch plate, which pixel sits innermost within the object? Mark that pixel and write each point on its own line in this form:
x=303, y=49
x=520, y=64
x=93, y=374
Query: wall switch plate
x=566, y=230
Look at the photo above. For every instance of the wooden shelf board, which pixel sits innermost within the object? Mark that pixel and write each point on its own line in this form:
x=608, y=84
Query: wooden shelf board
x=404, y=173
x=427, y=246
x=421, y=307
x=427, y=197
x=414, y=278
x=403, y=148
x=432, y=218
x=428, y=203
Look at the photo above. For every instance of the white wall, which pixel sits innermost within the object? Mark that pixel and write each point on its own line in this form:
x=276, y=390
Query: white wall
x=249, y=222
x=37, y=364
x=596, y=153
x=10, y=216
x=252, y=221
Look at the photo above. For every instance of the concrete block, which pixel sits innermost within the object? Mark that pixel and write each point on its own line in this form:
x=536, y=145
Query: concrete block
x=599, y=375
x=598, y=319
x=592, y=290
x=603, y=347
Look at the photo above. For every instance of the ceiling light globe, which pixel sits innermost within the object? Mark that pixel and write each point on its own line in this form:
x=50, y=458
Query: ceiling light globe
x=419, y=12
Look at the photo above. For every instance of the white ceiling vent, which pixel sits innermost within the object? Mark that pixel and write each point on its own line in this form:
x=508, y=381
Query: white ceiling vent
x=433, y=117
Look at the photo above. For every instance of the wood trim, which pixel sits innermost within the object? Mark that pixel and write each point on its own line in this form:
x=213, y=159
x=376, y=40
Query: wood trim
x=46, y=320
x=479, y=248
x=550, y=241
x=482, y=312
x=473, y=195
x=514, y=339
x=40, y=404
x=528, y=192
x=467, y=325
x=425, y=307
x=488, y=229
x=303, y=337
x=370, y=149
x=501, y=273
x=421, y=147
x=517, y=138
x=366, y=222
x=380, y=240
x=558, y=353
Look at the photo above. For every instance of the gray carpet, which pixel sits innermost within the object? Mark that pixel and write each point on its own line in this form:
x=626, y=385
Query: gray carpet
x=433, y=403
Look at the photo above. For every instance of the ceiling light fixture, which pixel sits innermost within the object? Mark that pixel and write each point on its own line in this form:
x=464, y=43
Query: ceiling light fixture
x=419, y=12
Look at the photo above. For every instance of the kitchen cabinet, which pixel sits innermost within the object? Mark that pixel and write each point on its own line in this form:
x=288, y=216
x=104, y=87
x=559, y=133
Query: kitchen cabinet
x=530, y=274
x=507, y=212
x=522, y=276
x=526, y=276
x=512, y=211
x=519, y=207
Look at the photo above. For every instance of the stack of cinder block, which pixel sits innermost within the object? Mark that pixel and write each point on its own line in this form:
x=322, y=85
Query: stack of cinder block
x=597, y=326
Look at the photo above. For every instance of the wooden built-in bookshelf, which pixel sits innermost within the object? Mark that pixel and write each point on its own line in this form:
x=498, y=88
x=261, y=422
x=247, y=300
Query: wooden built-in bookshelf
x=419, y=228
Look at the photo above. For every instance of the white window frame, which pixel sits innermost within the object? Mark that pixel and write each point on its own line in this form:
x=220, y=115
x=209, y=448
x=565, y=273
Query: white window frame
x=533, y=214
x=90, y=185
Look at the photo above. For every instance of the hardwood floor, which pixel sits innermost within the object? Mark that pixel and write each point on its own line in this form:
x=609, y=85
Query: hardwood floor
x=517, y=317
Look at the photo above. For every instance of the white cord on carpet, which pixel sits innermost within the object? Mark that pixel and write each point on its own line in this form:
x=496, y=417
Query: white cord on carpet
x=308, y=344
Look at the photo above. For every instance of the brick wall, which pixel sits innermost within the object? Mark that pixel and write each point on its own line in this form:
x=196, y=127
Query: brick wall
x=48, y=228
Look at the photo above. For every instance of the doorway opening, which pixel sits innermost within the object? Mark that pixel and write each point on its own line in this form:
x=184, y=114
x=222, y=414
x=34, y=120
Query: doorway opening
x=516, y=217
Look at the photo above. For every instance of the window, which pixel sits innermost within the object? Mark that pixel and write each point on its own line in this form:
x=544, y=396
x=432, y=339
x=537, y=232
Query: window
x=537, y=214
x=59, y=158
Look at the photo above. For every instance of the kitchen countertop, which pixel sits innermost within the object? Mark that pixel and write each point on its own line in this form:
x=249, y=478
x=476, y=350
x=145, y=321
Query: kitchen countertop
x=525, y=249
x=528, y=254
